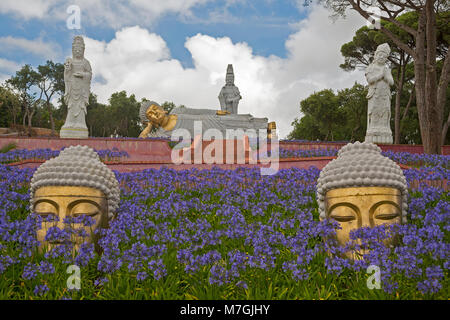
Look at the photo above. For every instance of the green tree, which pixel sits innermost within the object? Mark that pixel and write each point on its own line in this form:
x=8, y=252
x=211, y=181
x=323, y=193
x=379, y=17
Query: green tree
x=24, y=82
x=324, y=107
x=335, y=117
x=50, y=81
x=168, y=106
x=9, y=106
x=41, y=117
x=98, y=118
x=353, y=103
x=321, y=108
x=125, y=114
x=430, y=92
x=306, y=128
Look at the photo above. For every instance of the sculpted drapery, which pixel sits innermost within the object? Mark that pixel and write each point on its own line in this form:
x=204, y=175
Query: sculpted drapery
x=77, y=79
x=380, y=79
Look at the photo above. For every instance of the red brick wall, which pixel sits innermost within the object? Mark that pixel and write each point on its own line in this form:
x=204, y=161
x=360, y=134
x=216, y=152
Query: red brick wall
x=138, y=149
x=159, y=150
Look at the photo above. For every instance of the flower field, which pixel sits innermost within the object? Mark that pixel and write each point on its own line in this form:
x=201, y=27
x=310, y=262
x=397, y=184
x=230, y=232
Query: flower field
x=222, y=234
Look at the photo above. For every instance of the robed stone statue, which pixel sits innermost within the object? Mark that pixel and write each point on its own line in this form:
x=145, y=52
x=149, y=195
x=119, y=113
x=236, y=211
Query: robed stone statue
x=77, y=79
x=380, y=79
x=229, y=96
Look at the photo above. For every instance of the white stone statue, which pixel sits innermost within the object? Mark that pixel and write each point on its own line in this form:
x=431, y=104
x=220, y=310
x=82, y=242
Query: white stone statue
x=77, y=79
x=380, y=79
x=229, y=96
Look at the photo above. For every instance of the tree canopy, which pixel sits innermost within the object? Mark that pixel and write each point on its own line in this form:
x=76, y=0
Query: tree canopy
x=425, y=50
x=31, y=94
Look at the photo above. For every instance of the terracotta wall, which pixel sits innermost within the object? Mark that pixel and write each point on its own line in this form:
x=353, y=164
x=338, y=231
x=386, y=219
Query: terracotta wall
x=138, y=149
x=159, y=150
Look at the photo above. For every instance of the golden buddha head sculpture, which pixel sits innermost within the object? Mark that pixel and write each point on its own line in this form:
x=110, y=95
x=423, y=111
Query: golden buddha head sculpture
x=74, y=192
x=153, y=116
x=361, y=188
x=152, y=112
x=156, y=114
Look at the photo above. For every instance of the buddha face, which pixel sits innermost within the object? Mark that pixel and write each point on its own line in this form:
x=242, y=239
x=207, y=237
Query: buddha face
x=229, y=79
x=78, y=50
x=155, y=114
x=380, y=57
x=354, y=208
x=70, y=202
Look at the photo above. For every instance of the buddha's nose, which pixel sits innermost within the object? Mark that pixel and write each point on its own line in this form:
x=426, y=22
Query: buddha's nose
x=365, y=223
x=60, y=223
x=62, y=217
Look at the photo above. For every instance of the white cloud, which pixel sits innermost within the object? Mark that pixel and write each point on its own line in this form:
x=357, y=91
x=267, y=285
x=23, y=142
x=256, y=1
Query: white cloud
x=4, y=77
x=27, y=9
x=139, y=62
x=36, y=47
x=115, y=14
x=8, y=66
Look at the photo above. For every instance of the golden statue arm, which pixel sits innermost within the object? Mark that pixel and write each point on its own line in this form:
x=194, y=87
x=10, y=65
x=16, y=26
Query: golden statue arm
x=146, y=131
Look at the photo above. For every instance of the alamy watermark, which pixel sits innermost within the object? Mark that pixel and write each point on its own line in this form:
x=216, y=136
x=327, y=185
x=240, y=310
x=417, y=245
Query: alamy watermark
x=374, y=280
x=74, y=19
x=373, y=22
x=74, y=280
x=233, y=148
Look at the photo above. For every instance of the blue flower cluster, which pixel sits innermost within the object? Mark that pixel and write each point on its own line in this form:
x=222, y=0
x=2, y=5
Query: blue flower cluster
x=228, y=228
x=419, y=159
x=433, y=161
x=322, y=152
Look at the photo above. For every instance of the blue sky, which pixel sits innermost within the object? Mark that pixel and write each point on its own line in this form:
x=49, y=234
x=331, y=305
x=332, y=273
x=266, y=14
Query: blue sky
x=177, y=50
x=264, y=25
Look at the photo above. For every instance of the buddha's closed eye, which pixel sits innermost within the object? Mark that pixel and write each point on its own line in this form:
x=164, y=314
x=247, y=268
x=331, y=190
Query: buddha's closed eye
x=46, y=210
x=90, y=214
x=45, y=214
x=387, y=216
x=85, y=209
x=343, y=217
x=386, y=211
x=343, y=213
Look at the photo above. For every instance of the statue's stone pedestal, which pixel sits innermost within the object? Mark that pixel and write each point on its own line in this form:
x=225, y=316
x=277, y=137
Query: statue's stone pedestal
x=74, y=133
x=379, y=137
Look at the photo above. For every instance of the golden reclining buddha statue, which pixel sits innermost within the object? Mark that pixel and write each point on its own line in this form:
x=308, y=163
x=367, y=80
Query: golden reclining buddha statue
x=196, y=121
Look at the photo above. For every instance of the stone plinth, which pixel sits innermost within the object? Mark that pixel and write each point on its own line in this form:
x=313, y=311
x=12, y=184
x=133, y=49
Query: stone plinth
x=74, y=133
x=384, y=137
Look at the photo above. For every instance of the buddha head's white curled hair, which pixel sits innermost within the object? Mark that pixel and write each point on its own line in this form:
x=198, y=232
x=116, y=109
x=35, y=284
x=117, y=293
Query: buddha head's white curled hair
x=361, y=165
x=78, y=166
